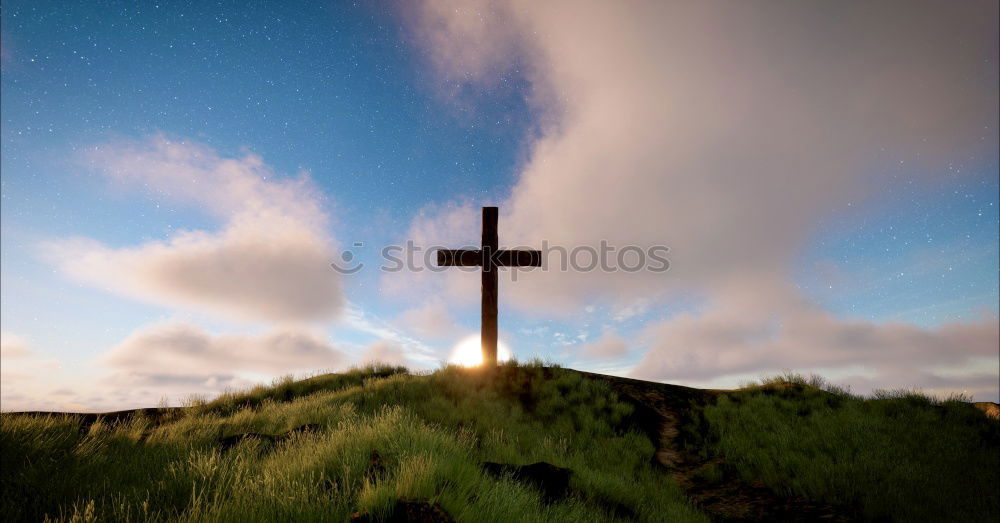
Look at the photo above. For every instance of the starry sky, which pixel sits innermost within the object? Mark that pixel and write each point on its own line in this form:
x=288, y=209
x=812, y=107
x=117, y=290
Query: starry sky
x=178, y=176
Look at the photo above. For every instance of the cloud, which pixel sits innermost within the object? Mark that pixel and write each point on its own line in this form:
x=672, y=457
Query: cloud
x=416, y=351
x=269, y=262
x=471, y=40
x=451, y=226
x=19, y=362
x=608, y=346
x=717, y=343
x=383, y=351
x=623, y=312
x=168, y=352
x=23, y=371
x=253, y=271
x=981, y=386
x=232, y=188
x=175, y=360
x=13, y=346
x=725, y=132
x=729, y=133
x=430, y=320
x=733, y=338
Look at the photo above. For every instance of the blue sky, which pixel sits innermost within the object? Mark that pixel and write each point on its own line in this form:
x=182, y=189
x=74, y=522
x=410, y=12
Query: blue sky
x=923, y=256
x=406, y=118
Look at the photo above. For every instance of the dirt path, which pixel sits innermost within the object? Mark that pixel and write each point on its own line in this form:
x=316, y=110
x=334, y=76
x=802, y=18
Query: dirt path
x=662, y=410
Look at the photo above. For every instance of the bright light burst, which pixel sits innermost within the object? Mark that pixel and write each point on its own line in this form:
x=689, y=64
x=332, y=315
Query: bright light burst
x=469, y=352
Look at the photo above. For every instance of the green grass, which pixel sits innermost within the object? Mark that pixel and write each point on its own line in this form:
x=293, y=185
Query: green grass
x=430, y=431
x=898, y=455
x=894, y=456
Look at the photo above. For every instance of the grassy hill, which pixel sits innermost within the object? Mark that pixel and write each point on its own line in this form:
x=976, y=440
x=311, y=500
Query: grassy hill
x=380, y=443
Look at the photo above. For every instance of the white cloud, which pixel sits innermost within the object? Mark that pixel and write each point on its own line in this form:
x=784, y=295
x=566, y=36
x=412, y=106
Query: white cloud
x=176, y=360
x=187, y=172
x=727, y=132
x=415, y=350
x=267, y=262
x=179, y=351
x=384, y=351
x=19, y=362
x=430, y=320
x=982, y=386
x=623, y=312
x=172, y=360
x=23, y=372
x=735, y=338
x=608, y=346
x=252, y=271
x=270, y=261
x=13, y=346
x=451, y=226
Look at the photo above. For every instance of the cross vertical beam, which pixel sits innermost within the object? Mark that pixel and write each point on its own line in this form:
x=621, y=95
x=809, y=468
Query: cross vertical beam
x=490, y=245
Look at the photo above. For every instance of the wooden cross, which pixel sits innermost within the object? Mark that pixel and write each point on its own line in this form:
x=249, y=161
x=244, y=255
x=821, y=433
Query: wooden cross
x=489, y=257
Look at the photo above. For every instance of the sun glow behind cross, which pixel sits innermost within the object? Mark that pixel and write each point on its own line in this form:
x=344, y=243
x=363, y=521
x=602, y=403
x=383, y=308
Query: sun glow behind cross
x=469, y=352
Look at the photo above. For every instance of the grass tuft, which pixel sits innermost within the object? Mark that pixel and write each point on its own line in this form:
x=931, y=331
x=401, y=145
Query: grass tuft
x=895, y=455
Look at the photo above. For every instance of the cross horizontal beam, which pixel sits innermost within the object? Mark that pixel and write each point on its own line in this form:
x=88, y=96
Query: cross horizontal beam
x=500, y=258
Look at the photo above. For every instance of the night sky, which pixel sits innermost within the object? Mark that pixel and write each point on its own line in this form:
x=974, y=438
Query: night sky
x=177, y=178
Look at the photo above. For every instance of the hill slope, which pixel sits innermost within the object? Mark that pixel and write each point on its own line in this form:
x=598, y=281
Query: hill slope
x=379, y=443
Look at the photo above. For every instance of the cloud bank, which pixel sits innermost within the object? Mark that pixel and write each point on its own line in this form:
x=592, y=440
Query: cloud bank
x=13, y=346
x=22, y=371
x=755, y=333
x=175, y=360
x=608, y=346
x=182, y=351
x=728, y=132
x=268, y=262
x=385, y=352
x=18, y=362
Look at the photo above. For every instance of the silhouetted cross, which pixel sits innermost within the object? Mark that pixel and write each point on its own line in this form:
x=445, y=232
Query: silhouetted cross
x=489, y=257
